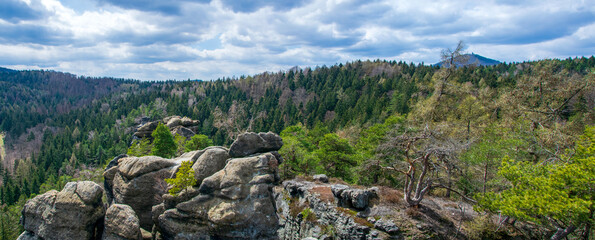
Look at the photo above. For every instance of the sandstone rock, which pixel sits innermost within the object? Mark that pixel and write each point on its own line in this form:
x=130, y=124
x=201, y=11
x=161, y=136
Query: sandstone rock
x=321, y=178
x=187, y=122
x=26, y=235
x=234, y=203
x=387, y=226
x=121, y=223
x=174, y=122
x=73, y=213
x=146, y=129
x=210, y=161
x=352, y=197
x=304, y=194
x=140, y=183
x=250, y=143
x=182, y=131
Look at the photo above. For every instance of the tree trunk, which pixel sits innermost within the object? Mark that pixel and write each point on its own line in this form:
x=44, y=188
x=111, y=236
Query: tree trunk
x=485, y=177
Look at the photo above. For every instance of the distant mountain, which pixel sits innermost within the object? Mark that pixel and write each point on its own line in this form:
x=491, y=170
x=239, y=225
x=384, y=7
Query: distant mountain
x=477, y=60
x=6, y=70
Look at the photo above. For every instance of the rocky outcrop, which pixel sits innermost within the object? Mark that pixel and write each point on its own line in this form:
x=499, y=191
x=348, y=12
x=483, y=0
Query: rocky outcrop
x=140, y=182
x=210, y=161
x=76, y=212
x=308, y=209
x=183, y=126
x=250, y=143
x=121, y=223
x=353, y=197
x=233, y=203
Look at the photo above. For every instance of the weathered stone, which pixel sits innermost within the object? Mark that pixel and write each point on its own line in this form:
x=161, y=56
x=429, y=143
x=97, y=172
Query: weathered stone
x=26, y=235
x=108, y=177
x=352, y=197
x=132, y=167
x=250, y=143
x=73, y=213
x=182, y=131
x=121, y=223
x=321, y=178
x=140, y=183
x=187, y=122
x=210, y=161
x=234, y=203
x=174, y=122
x=146, y=129
x=387, y=226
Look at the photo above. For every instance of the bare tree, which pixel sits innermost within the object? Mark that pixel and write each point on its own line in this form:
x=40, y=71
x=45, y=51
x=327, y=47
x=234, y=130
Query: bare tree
x=425, y=159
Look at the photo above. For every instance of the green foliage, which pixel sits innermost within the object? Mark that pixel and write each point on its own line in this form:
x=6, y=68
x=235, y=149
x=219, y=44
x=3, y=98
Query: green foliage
x=336, y=156
x=561, y=191
x=183, y=180
x=198, y=142
x=163, y=142
x=308, y=215
x=140, y=148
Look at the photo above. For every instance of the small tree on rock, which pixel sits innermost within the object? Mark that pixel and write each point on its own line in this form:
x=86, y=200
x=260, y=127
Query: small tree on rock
x=163, y=143
x=183, y=180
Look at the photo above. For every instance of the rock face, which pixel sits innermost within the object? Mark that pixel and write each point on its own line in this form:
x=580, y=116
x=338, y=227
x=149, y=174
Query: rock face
x=353, y=198
x=209, y=162
x=121, y=223
x=183, y=126
x=250, y=143
x=329, y=221
x=234, y=203
x=76, y=212
x=139, y=182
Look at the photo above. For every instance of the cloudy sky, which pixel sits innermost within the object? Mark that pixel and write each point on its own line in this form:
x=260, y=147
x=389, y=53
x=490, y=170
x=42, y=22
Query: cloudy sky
x=208, y=39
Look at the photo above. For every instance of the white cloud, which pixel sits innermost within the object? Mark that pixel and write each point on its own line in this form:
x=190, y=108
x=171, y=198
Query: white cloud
x=207, y=40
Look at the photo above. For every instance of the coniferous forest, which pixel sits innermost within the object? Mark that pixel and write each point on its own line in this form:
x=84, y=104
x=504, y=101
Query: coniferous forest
x=515, y=139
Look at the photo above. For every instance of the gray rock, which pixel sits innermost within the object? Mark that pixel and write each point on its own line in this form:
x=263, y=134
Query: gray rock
x=387, y=226
x=321, y=178
x=210, y=161
x=352, y=197
x=26, y=235
x=108, y=177
x=234, y=203
x=174, y=122
x=182, y=131
x=121, y=223
x=73, y=213
x=140, y=183
x=146, y=129
x=250, y=143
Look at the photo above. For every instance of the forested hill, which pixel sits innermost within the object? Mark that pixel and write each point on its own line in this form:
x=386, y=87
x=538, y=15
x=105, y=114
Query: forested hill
x=69, y=124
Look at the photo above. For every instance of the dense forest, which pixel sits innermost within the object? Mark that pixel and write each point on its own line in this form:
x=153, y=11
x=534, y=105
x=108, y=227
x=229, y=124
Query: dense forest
x=513, y=138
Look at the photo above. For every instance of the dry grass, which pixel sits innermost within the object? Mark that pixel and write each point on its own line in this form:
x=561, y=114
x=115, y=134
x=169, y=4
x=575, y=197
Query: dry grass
x=324, y=193
x=390, y=196
x=353, y=215
x=413, y=212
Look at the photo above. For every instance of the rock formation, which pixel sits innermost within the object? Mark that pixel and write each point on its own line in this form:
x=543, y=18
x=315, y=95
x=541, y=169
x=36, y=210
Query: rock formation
x=250, y=143
x=183, y=126
x=76, y=212
x=121, y=223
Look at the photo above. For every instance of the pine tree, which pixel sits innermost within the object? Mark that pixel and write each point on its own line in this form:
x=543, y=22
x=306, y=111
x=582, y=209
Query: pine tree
x=184, y=179
x=163, y=143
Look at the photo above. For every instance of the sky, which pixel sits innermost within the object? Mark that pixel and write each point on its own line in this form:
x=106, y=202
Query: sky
x=210, y=39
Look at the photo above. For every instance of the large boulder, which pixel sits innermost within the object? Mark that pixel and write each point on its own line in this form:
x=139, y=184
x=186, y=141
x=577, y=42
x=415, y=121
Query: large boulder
x=250, y=143
x=210, y=161
x=145, y=130
x=353, y=197
x=73, y=213
x=234, y=203
x=140, y=182
x=121, y=223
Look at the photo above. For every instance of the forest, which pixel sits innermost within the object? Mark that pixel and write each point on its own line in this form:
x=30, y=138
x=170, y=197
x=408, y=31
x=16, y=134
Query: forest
x=515, y=139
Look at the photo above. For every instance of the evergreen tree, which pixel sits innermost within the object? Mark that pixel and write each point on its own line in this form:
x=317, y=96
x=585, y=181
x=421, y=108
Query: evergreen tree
x=163, y=143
